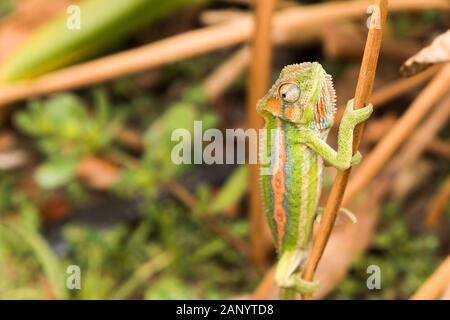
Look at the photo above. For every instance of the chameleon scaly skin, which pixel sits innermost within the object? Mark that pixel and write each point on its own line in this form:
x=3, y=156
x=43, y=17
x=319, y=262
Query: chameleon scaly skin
x=299, y=111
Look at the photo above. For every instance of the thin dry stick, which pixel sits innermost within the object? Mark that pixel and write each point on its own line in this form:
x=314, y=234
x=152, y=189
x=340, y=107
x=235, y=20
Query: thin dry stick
x=362, y=95
x=399, y=133
x=260, y=67
x=189, y=200
x=395, y=89
x=265, y=286
x=193, y=43
x=100, y=174
x=438, y=205
x=435, y=284
x=216, y=83
x=440, y=148
x=418, y=141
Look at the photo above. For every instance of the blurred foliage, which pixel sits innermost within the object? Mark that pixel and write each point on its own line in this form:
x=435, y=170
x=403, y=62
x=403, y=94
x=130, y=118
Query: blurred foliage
x=121, y=261
x=405, y=259
x=145, y=178
x=5, y=7
x=65, y=132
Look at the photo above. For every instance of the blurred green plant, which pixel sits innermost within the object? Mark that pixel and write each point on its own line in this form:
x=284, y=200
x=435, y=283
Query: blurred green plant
x=65, y=132
x=146, y=177
x=6, y=7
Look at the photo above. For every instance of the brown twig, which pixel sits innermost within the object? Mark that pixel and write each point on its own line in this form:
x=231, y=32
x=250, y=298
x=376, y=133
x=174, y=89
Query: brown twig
x=265, y=287
x=440, y=148
x=402, y=130
x=193, y=43
x=130, y=138
x=222, y=77
x=362, y=95
x=418, y=141
x=213, y=224
x=438, y=205
x=259, y=78
x=395, y=89
x=435, y=284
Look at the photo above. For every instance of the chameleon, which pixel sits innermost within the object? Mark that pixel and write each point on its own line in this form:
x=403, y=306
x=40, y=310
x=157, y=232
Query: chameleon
x=299, y=111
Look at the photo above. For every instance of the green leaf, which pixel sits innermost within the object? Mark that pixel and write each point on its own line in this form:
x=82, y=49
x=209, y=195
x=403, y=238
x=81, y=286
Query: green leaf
x=55, y=173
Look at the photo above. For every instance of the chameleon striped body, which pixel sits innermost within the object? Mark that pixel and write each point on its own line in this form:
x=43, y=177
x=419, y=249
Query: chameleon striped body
x=292, y=189
x=299, y=112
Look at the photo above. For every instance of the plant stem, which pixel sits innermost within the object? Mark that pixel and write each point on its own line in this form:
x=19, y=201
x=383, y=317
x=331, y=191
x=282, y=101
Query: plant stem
x=261, y=53
x=435, y=284
x=362, y=95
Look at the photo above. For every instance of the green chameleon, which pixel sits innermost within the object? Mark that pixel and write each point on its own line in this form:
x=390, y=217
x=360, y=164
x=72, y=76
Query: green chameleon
x=299, y=111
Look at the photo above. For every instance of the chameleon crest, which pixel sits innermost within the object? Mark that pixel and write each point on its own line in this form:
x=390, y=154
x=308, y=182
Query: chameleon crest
x=299, y=111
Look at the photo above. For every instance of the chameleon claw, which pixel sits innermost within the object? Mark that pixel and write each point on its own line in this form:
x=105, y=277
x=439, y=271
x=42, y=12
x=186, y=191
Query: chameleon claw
x=349, y=214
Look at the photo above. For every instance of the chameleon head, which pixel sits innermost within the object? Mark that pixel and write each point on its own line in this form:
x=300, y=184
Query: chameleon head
x=304, y=95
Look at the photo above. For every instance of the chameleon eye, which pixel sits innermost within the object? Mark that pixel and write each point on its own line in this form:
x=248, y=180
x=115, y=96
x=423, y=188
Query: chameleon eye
x=289, y=92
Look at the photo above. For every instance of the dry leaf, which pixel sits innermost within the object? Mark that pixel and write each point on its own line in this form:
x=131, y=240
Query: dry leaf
x=97, y=173
x=437, y=52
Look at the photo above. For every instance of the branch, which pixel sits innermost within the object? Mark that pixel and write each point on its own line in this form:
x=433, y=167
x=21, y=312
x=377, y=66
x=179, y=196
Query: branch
x=258, y=84
x=193, y=43
x=373, y=163
x=362, y=95
x=435, y=284
x=438, y=205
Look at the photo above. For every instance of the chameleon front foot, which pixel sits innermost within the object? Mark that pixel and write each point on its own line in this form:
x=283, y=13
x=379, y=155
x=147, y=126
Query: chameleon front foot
x=353, y=117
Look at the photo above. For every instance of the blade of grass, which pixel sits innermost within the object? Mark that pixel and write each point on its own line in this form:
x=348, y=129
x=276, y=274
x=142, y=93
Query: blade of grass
x=142, y=274
x=44, y=255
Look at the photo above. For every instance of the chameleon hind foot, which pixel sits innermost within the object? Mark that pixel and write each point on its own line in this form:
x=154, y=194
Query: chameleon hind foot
x=300, y=285
x=356, y=159
x=288, y=269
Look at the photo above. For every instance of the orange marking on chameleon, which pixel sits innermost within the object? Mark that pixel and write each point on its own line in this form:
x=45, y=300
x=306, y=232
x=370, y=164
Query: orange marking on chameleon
x=274, y=106
x=278, y=184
